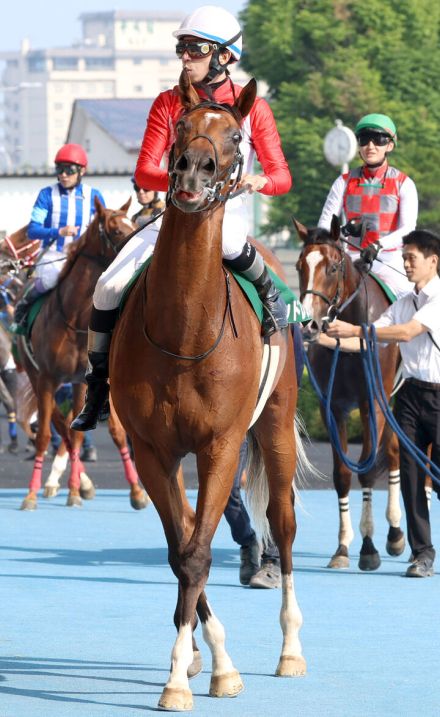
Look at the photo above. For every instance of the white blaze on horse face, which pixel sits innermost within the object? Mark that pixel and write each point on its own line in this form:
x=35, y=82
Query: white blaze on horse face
x=312, y=260
x=127, y=221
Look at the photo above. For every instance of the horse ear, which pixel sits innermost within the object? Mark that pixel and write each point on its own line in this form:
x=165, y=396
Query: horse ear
x=125, y=206
x=188, y=96
x=99, y=206
x=301, y=229
x=244, y=102
x=335, y=228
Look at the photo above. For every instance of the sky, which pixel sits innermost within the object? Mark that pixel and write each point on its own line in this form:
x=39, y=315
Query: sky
x=51, y=23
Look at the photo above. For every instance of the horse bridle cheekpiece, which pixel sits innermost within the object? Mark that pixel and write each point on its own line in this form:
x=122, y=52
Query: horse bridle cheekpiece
x=333, y=303
x=214, y=190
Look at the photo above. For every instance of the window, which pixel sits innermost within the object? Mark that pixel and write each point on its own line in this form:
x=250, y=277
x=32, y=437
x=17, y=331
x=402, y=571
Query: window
x=137, y=60
x=99, y=63
x=65, y=63
x=137, y=88
x=36, y=63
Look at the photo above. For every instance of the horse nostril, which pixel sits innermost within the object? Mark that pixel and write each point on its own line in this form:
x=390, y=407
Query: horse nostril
x=182, y=163
x=209, y=166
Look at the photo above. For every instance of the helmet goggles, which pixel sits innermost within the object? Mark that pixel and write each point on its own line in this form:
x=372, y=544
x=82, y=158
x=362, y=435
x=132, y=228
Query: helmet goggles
x=195, y=49
x=380, y=139
x=64, y=168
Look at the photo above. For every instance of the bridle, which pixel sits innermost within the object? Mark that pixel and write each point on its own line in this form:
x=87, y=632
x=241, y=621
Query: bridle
x=214, y=191
x=333, y=303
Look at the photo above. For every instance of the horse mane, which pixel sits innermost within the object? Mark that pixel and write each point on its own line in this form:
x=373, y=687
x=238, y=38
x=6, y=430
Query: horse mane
x=74, y=250
x=318, y=235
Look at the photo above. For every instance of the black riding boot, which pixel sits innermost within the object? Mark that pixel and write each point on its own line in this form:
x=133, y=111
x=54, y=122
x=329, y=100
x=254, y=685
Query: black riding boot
x=251, y=265
x=275, y=309
x=22, y=307
x=96, y=407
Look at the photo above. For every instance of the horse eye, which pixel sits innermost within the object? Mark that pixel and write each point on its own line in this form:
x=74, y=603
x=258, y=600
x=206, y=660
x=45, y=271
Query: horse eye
x=236, y=138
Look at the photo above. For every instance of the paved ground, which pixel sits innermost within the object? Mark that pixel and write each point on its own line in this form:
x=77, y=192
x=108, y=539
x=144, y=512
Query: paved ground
x=86, y=624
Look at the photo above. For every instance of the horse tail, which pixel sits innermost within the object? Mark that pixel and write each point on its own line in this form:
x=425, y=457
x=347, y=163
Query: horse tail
x=257, y=488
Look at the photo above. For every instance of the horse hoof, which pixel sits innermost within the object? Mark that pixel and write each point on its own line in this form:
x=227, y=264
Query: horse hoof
x=369, y=562
x=339, y=562
x=13, y=448
x=291, y=666
x=29, y=503
x=50, y=491
x=396, y=547
x=74, y=500
x=227, y=685
x=176, y=700
x=87, y=489
x=138, y=497
x=196, y=665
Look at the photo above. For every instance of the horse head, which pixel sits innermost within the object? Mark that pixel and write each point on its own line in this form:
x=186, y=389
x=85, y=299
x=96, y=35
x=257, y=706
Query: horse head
x=321, y=270
x=206, y=161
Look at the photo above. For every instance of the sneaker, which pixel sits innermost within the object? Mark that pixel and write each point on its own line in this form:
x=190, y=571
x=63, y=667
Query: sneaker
x=420, y=568
x=249, y=561
x=268, y=576
x=89, y=454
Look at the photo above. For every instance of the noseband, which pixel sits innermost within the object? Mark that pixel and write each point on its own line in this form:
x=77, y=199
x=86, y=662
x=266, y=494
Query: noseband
x=214, y=189
x=333, y=303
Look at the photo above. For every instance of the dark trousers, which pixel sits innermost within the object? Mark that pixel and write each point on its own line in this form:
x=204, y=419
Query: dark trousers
x=418, y=413
x=237, y=516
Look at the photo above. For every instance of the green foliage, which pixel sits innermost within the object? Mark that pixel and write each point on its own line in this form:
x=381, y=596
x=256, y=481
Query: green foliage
x=308, y=407
x=328, y=59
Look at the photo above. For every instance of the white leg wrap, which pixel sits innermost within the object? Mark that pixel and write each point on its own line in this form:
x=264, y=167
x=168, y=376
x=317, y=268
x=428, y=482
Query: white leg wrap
x=181, y=658
x=346, y=534
x=214, y=636
x=85, y=481
x=366, y=525
x=393, y=512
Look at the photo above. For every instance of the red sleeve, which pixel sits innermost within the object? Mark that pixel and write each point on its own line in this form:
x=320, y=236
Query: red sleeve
x=157, y=139
x=267, y=143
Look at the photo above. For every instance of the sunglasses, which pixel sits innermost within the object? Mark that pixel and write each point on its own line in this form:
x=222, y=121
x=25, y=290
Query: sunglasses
x=378, y=139
x=196, y=50
x=68, y=169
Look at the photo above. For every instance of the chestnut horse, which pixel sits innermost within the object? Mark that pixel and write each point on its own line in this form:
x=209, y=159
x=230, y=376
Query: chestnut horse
x=59, y=353
x=330, y=282
x=184, y=370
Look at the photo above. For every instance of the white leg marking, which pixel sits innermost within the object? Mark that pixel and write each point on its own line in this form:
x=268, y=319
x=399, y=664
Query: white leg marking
x=85, y=481
x=58, y=467
x=214, y=636
x=367, y=524
x=346, y=534
x=393, y=512
x=290, y=619
x=428, y=493
x=181, y=658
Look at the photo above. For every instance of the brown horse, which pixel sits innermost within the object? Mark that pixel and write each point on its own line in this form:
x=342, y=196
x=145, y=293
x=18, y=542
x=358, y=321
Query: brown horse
x=18, y=247
x=185, y=379
x=330, y=282
x=59, y=351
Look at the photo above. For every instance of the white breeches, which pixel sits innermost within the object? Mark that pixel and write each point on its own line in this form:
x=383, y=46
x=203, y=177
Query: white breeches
x=390, y=270
x=47, y=269
x=112, y=282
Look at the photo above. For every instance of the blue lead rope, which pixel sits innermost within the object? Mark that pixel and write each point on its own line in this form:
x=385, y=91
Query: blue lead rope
x=326, y=398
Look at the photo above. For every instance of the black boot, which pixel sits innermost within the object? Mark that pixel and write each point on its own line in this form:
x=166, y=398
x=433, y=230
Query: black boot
x=22, y=307
x=274, y=306
x=96, y=407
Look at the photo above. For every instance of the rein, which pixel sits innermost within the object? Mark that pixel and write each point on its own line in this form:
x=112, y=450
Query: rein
x=198, y=357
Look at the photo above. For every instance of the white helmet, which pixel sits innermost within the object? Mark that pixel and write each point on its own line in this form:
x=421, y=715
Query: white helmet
x=214, y=23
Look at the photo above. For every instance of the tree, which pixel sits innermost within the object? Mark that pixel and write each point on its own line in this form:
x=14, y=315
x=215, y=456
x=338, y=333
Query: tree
x=328, y=59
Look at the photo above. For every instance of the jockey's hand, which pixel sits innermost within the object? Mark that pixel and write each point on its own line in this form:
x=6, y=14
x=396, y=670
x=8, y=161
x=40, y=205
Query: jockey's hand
x=370, y=252
x=342, y=330
x=252, y=182
x=69, y=231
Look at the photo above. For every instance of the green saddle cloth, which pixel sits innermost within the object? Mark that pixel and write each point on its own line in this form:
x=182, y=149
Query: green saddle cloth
x=388, y=292
x=31, y=316
x=297, y=313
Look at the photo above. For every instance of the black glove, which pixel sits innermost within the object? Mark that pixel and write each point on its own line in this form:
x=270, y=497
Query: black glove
x=353, y=228
x=370, y=252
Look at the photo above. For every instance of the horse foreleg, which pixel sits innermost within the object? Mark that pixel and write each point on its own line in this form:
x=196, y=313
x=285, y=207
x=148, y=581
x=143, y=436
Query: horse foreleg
x=342, y=483
x=369, y=558
x=395, y=544
x=138, y=498
x=59, y=465
x=46, y=405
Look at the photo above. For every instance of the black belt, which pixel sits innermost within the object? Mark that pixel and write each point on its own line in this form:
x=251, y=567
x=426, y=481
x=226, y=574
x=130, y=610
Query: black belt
x=424, y=384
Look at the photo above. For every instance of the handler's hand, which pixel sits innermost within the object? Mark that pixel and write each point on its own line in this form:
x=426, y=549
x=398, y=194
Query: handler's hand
x=253, y=182
x=342, y=330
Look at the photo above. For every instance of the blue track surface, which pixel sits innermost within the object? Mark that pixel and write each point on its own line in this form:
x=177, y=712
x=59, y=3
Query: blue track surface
x=87, y=600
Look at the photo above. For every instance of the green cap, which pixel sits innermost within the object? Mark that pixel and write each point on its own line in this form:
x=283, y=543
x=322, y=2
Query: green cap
x=382, y=123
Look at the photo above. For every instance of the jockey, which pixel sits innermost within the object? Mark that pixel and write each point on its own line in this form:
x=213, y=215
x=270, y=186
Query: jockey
x=384, y=198
x=61, y=213
x=208, y=42
x=151, y=205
